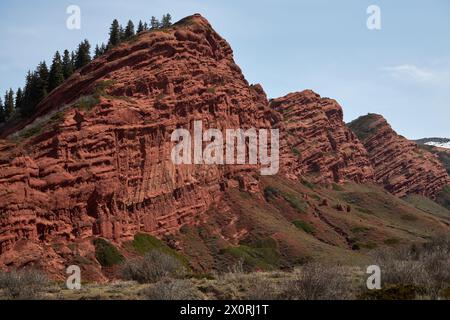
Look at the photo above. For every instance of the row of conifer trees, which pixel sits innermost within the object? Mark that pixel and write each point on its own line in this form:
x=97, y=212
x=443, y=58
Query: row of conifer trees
x=40, y=82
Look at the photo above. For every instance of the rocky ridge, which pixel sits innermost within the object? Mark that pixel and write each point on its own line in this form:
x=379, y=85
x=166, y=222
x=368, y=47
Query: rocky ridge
x=399, y=164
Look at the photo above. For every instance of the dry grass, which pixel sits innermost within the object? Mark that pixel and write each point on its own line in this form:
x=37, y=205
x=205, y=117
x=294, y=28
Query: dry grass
x=23, y=285
x=318, y=282
x=172, y=289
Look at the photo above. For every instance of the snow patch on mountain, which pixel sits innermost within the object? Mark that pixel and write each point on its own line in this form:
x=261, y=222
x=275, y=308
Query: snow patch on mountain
x=439, y=144
x=435, y=142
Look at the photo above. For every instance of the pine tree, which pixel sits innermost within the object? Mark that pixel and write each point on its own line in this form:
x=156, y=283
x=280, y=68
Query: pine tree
x=67, y=65
x=56, y=77
x=121, y=33
x=83, y=55
x=129, y=30
x=166, y=21
x=97, y=52
x=145, y=26
x=9, y=104
x=2, y=112
x=42, y=82
x=19, y=99
x=30, y=96
x=100, y=50
x=140, y=27
x=103, y=48
x=114, y=34
x=154, y=23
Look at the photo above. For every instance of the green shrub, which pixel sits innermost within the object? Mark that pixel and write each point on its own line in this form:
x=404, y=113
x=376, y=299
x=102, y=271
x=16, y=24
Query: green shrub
x=296, y=152
x=302, y=225
x=107, y=255
x=308, y=184
x=337, y=187
x=145, y=243
x=34, y=131
x=295, y=203
x=212, y=90
x=86, y=103
x=270, y=193
x=262, y=254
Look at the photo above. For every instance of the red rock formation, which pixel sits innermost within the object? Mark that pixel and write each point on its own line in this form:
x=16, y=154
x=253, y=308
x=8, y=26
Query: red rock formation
x=316, y=141
x=400, y=165
x=104, y=170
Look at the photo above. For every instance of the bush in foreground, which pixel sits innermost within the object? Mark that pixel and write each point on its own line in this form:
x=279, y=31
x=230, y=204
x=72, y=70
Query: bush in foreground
x=317, y=282
x=153, y=267
x=172, y=289
x=23, y=285
x=424, y=267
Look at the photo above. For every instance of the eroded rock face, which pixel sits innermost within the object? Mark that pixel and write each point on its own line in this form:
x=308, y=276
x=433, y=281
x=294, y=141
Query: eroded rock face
x=316, y=142
x=105, y=170
x=400, y=165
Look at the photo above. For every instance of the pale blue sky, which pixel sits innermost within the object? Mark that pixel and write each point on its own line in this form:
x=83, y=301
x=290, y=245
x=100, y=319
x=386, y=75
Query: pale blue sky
x=401, y=71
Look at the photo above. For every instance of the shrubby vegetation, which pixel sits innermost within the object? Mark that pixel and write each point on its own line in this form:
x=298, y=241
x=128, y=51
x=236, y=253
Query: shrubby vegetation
x=419, y=270
x=153, y=267
x=172, y=289
x=416, y=272
x=107, y=255
x=23, y=285
x=43, y=80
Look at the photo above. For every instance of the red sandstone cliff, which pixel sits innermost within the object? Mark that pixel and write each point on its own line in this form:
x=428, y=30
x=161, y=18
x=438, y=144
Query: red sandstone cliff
x=316, y=141
x=400, y=165
x=100, y=166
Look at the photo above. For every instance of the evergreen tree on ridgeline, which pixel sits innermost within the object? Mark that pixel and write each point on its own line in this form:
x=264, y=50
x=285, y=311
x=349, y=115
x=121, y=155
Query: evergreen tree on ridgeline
x=140, y=27
x=83, y=55
x=56, y=77
x=9, y=104
x=43, y=76
x=67, y=65
x=166, y=21
x=129, y=30
x=114, y=34
x=42, y=81
x=154, y=23
x=100, y=50
x=29, y=95
x=121, y=33
x=97, y=52
x=2, y=112
x=103, y=48
x=19, y=99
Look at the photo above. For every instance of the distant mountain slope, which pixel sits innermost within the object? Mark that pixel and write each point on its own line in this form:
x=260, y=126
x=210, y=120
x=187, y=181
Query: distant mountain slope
x=436, y=142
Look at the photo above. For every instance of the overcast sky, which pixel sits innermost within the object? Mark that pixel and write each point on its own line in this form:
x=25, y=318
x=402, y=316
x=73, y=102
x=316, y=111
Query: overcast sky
x=401, y=71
